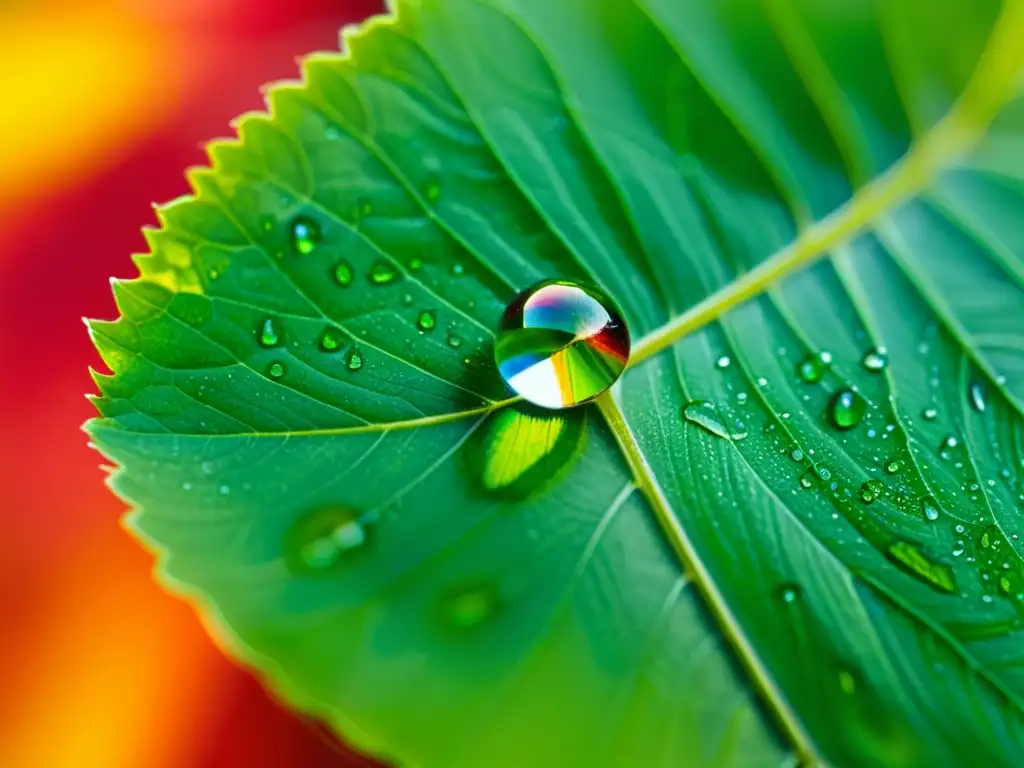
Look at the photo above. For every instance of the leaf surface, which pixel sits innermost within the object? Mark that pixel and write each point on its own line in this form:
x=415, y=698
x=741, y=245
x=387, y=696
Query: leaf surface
x=721, y=565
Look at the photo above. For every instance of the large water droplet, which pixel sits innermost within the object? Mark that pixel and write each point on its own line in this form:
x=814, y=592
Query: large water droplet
x=305, y=235
x=848, y=408
x=813, y=368
x=704, y=414
x=268, y=334
x=561, y=343
x=977, y=393
x=353, y=359
x=876, y=359
x=343, y=273
x=427, y=320
x=330, y=340
x=471, y=606
x=930, y=508
x=383, y=272
x=321, y=539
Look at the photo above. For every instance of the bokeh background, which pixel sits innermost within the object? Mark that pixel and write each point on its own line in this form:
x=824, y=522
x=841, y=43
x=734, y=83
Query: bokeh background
x=103, y=104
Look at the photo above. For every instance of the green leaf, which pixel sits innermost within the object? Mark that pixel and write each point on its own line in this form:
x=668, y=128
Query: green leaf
x=754, y=553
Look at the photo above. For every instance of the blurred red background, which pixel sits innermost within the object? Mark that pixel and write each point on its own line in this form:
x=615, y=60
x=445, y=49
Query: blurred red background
x=103, y=104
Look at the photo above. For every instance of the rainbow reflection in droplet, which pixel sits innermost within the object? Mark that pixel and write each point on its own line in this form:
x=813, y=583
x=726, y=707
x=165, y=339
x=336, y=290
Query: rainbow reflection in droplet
x=561, y=343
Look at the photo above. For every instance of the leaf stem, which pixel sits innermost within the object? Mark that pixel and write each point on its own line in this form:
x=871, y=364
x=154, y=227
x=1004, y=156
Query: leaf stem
x=996, y=80
x=695, y=568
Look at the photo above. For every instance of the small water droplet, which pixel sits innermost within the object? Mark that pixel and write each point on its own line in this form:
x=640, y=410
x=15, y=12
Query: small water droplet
x=426, y=321
x=321, y=539
x=458, y=269
x=796, y=454
x=330, y=340
x=723, y=362
x=454, y=341
x=305, y=235
x=788, y=592
x=808, y=478
x=268, y=333
x=343, y=273
x=813, y=368
x=893, y=467
x=353, y=359
x=930, y=508
x=847, y=682
x=929, y=414
x=332, y=133
x=382, y=272
x=848, y=408
x=987, y=598
x=275, y=370
x=432, y=189
x=470, y=607
x=876, y=359
x=762, y=382
x=977, y=393
x=871, y=491
x=950, y=441
x=416, y=264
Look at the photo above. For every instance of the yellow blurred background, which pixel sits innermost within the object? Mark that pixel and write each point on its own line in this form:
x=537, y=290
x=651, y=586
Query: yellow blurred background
x=103, y=103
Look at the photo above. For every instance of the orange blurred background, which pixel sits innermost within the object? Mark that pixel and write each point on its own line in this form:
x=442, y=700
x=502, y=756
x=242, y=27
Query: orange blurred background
x=103, y=104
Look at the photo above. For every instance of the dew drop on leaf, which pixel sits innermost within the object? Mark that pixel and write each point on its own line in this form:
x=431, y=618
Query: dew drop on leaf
x=977, y=396
x=382, y=272
x=458, y=270
x=871, y=491
x=275, y=370
x=787, y=592
x=354, y=359
x=704, y=414
x=847, y=682
x=416, y=264
x=470, y=607
x=454, y=341
x=427, y=320
x=929, y=414
x=268, y=334
x=876, y=359
x=330, y=341
x=796, y=454
x=321, y=539
x=343, y=273
x=305, y=235
x=848, y=408
x=432, y=190
x=723, y=362
x=560, y=343
x=812, y=369
x=808, y=478
x=893, y=467
x=930, y=508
